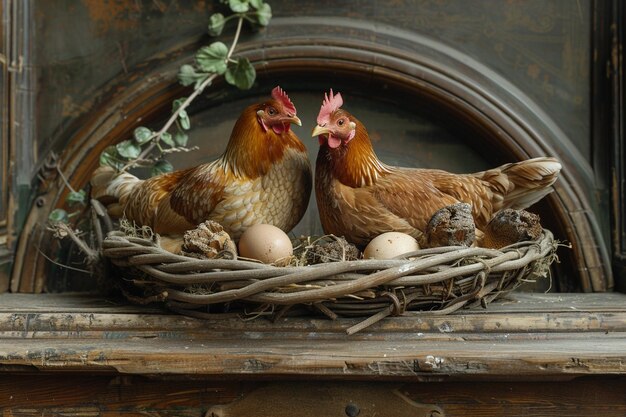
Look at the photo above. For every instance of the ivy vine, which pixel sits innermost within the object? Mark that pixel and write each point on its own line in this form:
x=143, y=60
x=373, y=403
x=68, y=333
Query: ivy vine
x=147, y=147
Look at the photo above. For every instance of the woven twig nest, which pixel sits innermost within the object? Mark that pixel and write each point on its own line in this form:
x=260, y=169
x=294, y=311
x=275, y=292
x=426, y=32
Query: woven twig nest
x=437, y=280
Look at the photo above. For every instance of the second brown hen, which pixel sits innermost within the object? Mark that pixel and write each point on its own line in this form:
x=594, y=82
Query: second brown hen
x=360, y=197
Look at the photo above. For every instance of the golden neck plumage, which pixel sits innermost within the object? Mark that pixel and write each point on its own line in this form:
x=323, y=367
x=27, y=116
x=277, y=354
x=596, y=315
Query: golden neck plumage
x=251, y=152
x=355, y=164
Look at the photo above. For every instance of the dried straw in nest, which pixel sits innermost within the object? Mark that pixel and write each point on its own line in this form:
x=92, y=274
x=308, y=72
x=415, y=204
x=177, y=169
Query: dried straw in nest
x=436, y=280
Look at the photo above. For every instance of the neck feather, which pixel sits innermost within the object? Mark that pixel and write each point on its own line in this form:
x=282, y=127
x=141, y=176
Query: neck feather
x=354, y=164
x=251, y=151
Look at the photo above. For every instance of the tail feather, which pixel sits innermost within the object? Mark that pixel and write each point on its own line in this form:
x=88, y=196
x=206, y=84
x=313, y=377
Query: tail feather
x=521, y=184
x=112, y=188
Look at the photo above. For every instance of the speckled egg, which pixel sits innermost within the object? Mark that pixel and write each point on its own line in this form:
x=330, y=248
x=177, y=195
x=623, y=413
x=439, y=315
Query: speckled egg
x=265, y=242
x=389, y=245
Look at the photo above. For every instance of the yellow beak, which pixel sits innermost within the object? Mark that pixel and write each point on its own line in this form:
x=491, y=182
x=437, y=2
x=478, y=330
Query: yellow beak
x=294, y=119
x=320, y=130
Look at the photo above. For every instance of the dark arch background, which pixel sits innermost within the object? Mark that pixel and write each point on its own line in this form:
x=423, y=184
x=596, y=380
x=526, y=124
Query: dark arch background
x=415, y=70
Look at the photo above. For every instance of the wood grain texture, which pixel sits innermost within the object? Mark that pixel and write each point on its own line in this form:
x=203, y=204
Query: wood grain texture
x=75, y=355
x=79, y=395
x=525, y=336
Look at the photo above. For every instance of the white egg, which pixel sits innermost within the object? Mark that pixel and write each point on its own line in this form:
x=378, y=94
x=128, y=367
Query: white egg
x=265, y=242
x=389, y=245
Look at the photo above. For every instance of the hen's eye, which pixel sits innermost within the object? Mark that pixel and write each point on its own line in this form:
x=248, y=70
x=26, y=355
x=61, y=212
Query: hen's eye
x=271, y=111
x=340, y=122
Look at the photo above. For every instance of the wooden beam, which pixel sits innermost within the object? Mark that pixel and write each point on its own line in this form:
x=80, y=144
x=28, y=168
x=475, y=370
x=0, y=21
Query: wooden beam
x=101, y=395
x=525, y=336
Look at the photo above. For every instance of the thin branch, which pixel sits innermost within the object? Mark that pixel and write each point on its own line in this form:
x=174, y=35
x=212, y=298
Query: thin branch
x=197, y=91
x=235, y=39
x=62, y=265
x=67, y=184
x=91, y=254
x=171, y=121
x=180, y=149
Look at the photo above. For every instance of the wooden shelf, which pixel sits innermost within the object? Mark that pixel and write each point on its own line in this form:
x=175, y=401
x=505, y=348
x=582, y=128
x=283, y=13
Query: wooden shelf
x=526, y=336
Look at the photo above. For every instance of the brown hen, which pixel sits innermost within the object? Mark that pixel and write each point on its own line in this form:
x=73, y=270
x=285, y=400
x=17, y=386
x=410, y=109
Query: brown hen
x=264, y=176
x=360, y=197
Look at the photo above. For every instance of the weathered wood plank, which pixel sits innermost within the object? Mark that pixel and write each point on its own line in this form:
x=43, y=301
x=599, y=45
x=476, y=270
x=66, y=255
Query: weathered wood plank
x=113, y=392
x=544, y=356
x=557, y=302
x=582, y=397
x=120, y=326
x=582, y=335
x=524, y=302
x=50, y=316
x=79, y=395
x=70, y=302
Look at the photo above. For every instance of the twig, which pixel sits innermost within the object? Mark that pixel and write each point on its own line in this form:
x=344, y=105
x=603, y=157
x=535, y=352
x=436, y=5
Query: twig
x=102, y=214
x=91, y=254
x=327, y=311
x=180, y=149
x=369, y=321
x=62, y=265
x=97, y=228
x=235, y=39
x=67, y=184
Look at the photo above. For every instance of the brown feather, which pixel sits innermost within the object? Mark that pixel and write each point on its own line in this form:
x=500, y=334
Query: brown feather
x=262, y=177
x=360, y=197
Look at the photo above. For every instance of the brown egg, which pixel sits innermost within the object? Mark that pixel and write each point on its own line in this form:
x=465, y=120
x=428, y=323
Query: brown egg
x=389, y=245
x=265, y=242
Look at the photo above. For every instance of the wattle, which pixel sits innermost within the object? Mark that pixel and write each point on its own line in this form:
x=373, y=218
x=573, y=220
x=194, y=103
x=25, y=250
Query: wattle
x=333, y=141
x=279, y=128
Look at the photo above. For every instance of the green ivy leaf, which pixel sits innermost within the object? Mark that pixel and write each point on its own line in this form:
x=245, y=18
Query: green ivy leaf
x=257, y=4
x=181, y=138
x=177, y=103
x=58, y=216
x=212, y=58
x=187, y=75
x=238, y=6
x=110, y=157
x=183, y=118
x=216, y=24
x=128, y=149
x=242, y=75
x=167, y=138
x=264, y=14
x=76, y=197
x=142, y=134
x=161, y=167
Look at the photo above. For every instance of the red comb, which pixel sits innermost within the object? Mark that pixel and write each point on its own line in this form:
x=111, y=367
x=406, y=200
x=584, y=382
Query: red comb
x=280, y=95
x=330, y=104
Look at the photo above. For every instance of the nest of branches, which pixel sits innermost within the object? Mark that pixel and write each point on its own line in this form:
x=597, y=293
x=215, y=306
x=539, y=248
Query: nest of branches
x=436, y=280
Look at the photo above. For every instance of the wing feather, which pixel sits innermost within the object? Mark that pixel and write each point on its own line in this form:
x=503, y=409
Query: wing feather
x=192, y=200
x=413, y=195
x=403, y=200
